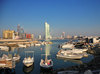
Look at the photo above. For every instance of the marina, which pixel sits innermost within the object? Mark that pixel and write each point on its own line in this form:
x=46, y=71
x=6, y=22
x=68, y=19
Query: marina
x=57, y=63
x=49, y=36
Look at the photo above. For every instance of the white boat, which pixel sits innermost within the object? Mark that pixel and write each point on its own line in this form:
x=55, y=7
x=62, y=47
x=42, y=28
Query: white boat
x=28, y=61
x=37, y=44
x=21, y=45
x=84, y=49
x=16, y=57
x=70, y=51
x=47, y=64
x=70, y=55
x=5, y=48
x=68, y=45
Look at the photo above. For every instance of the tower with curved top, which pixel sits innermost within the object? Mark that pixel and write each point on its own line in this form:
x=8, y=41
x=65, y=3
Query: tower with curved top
x=47, y=31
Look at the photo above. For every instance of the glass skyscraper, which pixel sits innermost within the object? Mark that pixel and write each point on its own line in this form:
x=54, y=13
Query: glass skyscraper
x=47, y=31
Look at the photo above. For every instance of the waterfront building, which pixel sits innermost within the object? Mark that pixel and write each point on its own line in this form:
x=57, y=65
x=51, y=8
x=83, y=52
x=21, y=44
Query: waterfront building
x=28, y=36
x=47, y=31
x=8, y=34
x=32, y=36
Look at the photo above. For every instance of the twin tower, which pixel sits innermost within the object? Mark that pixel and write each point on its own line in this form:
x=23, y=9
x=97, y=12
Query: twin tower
x=47, y=32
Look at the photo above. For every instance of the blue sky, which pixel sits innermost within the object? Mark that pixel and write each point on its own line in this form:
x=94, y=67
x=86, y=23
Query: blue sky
x=74, y=17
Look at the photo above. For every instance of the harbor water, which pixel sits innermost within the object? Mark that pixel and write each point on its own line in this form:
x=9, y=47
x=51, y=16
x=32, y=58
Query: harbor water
x=51, y=49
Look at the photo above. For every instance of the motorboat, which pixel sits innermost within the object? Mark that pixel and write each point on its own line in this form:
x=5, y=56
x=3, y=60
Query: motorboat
x=22, y=45
x=5, y=48
x=16, y=57
x=28, y=61
x=70, y=55
x=47, y=64
x=70, y=51
x=37, y=44
x=68, y=45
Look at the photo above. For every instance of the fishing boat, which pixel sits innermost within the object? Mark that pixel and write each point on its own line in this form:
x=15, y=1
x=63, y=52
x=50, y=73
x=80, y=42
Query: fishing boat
x=46, y=63
x=16, y=57
x=28, y=60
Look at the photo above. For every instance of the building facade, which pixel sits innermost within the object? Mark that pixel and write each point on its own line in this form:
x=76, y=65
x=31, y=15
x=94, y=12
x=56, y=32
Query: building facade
x=8, y=34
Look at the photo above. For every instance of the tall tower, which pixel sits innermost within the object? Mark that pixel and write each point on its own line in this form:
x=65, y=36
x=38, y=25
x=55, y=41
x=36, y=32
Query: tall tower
x=47, y=31
x=18, y=28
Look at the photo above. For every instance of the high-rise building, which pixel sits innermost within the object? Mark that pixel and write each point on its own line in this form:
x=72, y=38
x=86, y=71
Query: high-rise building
x=18, y=28
x=47, y=31
x=63, y=35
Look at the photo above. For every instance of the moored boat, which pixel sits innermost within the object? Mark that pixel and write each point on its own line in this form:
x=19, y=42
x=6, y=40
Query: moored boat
x=70, y=55
x=28, y=60
x=16, y=57
x=46, y=64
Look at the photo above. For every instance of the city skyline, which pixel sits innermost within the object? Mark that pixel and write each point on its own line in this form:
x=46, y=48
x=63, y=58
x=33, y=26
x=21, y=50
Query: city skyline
x=69, y=16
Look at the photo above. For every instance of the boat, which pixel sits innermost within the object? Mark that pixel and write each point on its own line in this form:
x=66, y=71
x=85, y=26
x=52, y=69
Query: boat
x=16, y=57
x=37, y=44
x=68, y=50
x=68, y=45
x=5, y=48
x=70, y=55
x=28, y=61
x=21, y=45
x=47, y=64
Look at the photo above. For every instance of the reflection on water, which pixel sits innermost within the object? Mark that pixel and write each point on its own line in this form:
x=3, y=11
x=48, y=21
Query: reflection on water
x=7, y=71
x=46, y=71
x=71, y=60
x=47, y=49
x=28, y=70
